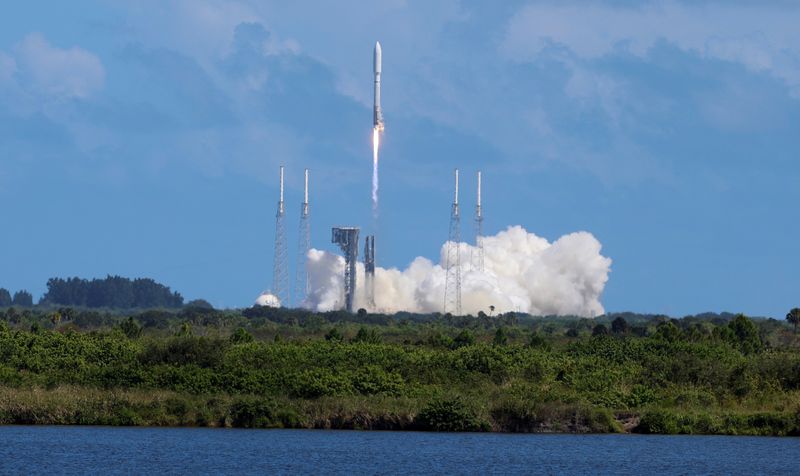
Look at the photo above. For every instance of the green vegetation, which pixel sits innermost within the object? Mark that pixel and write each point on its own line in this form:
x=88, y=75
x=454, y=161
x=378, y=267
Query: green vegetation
x=112, y=292
x=267, y=368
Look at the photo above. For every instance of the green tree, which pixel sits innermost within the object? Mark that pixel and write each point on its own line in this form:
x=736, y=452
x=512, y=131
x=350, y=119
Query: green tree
x=463, y=339
x=668, y=331
x=600, y=330
x=241, y=336
x=184, y=330
x=793, y=317
x=500, y=337
x=334, y=335
x=5, y=298
x=23, y=298
x=367, y=335
x=200, y=304
x=131, y=328
x=537, y=341
x=449, y=414
x=745, y=334
x=619, y=326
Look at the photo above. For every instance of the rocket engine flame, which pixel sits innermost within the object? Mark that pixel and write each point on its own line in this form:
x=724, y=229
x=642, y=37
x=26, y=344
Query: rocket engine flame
x=375, y=145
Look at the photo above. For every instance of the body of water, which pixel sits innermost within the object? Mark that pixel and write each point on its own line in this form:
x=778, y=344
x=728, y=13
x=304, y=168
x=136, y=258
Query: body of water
x=107, y=450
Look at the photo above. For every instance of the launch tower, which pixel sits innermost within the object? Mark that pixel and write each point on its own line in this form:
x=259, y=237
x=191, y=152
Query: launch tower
x=280, y=270
x=303, y=246
x=452, y=283
x=478, y=258
x=347, y=239
x=369, y=269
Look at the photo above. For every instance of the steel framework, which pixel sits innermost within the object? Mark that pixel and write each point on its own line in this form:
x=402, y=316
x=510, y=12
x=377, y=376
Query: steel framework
x=303, y=246
x=369, y=270
x=347, y=239
x=452, y=284
x=477, y=261
x=280, y=269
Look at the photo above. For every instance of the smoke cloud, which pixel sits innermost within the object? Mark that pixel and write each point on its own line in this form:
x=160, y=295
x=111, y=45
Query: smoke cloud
x=522, y=273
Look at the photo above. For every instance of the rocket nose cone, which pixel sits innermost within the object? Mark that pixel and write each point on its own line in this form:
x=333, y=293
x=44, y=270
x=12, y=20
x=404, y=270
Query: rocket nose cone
x=376, y=59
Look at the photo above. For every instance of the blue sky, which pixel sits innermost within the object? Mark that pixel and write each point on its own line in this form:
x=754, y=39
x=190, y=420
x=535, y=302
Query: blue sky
x=142, y=138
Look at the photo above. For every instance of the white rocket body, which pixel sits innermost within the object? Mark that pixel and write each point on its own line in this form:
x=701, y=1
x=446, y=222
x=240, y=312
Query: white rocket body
x=377, y=115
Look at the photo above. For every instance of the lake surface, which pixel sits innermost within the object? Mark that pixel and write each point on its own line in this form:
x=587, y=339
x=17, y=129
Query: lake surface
x=107, y=450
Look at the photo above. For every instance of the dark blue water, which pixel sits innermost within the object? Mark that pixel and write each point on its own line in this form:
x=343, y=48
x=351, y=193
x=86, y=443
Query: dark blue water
x=104, y=450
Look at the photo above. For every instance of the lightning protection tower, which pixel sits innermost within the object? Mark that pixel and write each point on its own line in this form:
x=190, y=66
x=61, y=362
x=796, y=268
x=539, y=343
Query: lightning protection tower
x=369, y=269
x=303, y=246
x=478, y=258
x=347, y=239
x=280, y=270
x=452, y=283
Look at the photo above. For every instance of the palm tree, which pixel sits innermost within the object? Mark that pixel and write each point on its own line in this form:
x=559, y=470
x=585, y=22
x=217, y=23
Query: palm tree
x=794, y=317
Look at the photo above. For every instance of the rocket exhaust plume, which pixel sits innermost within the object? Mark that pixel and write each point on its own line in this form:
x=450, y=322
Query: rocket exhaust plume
x=377, y=125
x=375, y=144
x=522, y=273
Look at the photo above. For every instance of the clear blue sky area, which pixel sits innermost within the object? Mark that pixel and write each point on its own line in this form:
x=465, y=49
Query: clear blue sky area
x=143, y=138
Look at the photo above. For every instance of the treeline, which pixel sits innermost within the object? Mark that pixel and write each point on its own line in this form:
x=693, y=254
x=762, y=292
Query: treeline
x=208, y=367
x=112, y=292
x=21, y=298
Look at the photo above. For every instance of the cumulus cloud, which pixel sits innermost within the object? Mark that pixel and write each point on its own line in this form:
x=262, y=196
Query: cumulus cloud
x=522, y=273
x=52, y=71
x=762, y=38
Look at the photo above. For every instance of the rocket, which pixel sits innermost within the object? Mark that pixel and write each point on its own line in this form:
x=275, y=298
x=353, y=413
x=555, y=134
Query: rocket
x=377, y=116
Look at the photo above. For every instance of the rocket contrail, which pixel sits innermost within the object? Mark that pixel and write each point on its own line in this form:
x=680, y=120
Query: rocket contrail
x=377, y=125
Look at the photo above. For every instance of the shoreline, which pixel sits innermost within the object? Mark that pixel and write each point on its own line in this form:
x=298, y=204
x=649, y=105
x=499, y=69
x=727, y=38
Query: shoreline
x=139, y=408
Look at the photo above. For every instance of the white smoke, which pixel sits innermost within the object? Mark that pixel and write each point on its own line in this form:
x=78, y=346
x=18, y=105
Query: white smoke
x=522, y=273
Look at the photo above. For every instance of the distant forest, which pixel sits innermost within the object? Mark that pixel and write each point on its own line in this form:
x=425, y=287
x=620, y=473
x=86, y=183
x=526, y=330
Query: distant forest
x=113, y=292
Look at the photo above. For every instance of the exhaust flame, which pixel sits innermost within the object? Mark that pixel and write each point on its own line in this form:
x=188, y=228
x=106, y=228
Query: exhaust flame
x=375, y=145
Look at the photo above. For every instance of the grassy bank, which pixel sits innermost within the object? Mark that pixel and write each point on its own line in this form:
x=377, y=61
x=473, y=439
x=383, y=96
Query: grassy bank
x=728, y=377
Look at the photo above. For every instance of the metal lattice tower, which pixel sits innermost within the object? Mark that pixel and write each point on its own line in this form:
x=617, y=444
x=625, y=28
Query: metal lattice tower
x=347, y=239
x=303, y=246
x=369, y=270
x=280, y=270
x=452, y=283
x=478, y=258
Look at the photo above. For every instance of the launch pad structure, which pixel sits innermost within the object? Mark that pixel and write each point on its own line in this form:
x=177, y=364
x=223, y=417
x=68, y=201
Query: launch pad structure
x=347, y=239
x=369, y=270
x=303, y=247
x=478, y=258
x=280, y=269
x=452, y=280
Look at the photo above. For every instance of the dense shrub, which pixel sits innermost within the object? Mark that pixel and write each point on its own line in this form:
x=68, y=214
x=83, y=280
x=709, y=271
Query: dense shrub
x=449, y=414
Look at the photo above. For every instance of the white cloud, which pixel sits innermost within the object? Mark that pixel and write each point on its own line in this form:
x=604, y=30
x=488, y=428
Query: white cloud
x=761, y=38
x=55, y=72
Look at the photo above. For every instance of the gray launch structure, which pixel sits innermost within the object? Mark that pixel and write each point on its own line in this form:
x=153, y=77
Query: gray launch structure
x=452, y=280
x=280, y=266
x=369, y=269
x=303, y=247
x=347, y=239
x=478, y=260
